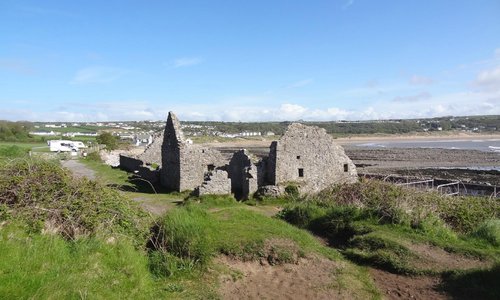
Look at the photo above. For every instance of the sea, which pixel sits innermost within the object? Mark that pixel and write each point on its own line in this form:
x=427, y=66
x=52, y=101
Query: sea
x=486, y=145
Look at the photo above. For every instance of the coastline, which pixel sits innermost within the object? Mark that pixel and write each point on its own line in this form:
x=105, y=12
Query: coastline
x=418, y=137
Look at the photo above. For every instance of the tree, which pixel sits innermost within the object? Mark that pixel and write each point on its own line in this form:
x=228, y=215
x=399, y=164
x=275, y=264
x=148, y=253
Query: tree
x=108, y=139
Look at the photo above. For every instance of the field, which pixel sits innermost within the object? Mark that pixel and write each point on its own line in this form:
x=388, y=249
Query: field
x=119, y=237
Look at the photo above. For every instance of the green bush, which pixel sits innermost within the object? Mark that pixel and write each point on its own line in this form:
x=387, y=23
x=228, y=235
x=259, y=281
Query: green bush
x=464, y=214
x=108, y=139
x=434, y=226
x=489, y=231
x=292, y=190
x=399, y=205
x=47, y=197
x=94, y=156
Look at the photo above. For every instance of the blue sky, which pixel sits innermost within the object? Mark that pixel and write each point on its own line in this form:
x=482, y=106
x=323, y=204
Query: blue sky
x=248, y=60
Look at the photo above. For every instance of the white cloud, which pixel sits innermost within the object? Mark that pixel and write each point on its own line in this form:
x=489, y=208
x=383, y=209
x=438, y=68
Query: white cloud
x=98, y=74
x=489, y=80
x=464, y=103
x=421, y=80
x=186, y=62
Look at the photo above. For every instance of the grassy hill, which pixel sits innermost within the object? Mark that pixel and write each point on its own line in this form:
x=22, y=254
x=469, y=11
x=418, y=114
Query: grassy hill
x=63, y=237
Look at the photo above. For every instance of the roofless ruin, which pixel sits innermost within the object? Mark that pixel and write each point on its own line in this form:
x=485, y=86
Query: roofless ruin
x=305, y=156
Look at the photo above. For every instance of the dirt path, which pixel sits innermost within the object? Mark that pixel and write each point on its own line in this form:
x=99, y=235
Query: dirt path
x=78, y=169
x=311, y=278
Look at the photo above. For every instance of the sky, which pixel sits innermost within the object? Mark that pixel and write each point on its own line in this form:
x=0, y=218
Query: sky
x=253, y=60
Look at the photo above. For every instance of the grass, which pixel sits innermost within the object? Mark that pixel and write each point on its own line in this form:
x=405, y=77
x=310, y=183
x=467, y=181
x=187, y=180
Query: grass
x=49, y=267
x=108, y=174
x=182, y=266
x=376, y=223
x=368, y=223
x=229, y=228
x=74, y=129
x=189, y=237
x=470, y=284
x=12, y=149
x=42, y=266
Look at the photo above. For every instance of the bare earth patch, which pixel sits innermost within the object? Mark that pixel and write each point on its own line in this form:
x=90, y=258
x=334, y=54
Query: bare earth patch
x=393, y=286
x=437, y=259
x=310, y=278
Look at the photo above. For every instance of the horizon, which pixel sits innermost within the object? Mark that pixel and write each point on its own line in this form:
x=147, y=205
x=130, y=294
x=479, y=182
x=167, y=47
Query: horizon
x=248, y=62
x=264, y=121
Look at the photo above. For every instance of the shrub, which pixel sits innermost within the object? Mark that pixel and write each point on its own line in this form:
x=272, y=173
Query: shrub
x=489, y=231
x=464, y=214
x=398, y=205
x=108, y=139
x=47, y=197
x=292, y=190
x=94, y=156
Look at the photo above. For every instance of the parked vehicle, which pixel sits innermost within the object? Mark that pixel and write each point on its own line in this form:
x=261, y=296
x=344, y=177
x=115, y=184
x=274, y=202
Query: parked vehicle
x=65, y=145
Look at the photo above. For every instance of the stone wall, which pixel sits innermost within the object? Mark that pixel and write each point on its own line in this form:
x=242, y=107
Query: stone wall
x=195, y=162
x=217, y=182
x=308, y=156
x=183, y=164
x=173, y=141
x=152, y=153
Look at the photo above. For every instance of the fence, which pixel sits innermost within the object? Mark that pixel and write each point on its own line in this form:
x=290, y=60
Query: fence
x=446, y=187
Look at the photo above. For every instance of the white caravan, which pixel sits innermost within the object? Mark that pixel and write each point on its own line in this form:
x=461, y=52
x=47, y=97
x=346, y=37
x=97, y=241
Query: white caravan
x=65, y=146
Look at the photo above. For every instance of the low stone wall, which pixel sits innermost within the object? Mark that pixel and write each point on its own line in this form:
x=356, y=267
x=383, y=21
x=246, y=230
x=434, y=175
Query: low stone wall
x=217, y=183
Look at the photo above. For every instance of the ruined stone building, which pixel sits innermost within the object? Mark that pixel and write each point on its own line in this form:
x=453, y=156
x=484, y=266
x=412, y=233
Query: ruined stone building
x=184, y=165
x=305, y=156
x=308, y=156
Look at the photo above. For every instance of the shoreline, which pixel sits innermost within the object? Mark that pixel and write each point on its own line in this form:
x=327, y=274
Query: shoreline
x=418, y=137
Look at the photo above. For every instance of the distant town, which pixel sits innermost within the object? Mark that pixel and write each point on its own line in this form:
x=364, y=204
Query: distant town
x=141, y=132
